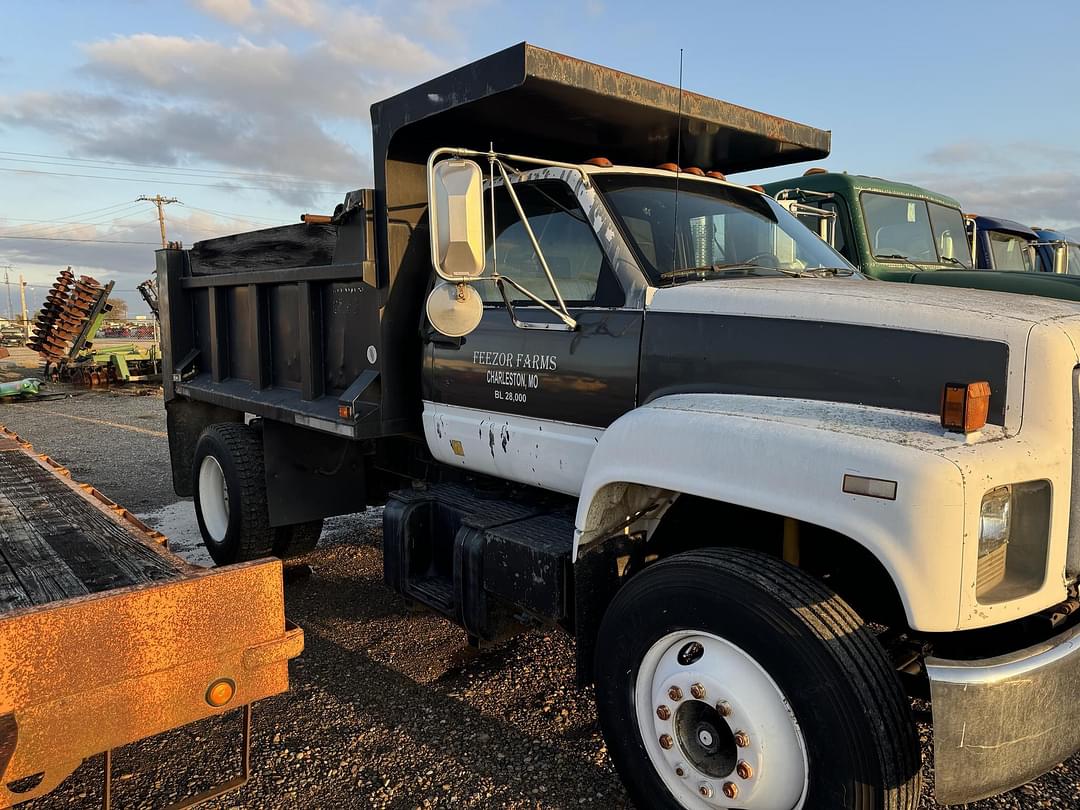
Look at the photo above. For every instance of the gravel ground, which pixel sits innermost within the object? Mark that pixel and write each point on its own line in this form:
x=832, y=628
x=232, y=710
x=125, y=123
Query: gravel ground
x=388, y=708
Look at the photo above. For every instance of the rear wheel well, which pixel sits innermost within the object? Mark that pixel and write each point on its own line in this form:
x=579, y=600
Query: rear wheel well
x=693, y=522
x=186, y=420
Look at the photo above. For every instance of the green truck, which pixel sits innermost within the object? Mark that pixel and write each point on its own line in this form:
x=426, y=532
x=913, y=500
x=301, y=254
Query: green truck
x=900, y=232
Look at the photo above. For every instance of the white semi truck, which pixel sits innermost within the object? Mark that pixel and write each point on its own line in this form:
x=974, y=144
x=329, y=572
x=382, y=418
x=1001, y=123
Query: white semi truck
x=772, y=500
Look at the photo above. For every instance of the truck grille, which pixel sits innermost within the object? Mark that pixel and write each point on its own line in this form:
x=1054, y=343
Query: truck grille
x=1072, y=563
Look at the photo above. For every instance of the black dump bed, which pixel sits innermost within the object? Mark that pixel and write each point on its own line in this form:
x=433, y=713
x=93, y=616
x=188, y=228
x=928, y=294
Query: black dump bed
x=319, y=325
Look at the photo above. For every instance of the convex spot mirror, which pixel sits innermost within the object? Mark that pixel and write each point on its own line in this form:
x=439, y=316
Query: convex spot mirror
x=454, y=310
x=456, y=206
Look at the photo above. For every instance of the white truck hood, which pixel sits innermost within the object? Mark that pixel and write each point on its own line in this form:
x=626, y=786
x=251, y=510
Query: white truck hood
x=873, y=303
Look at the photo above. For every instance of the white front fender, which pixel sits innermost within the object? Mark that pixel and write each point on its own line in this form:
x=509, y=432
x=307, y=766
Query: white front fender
x=789, y=457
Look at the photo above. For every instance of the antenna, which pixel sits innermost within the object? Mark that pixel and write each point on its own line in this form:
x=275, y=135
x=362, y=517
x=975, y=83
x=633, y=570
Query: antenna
x=678, y=171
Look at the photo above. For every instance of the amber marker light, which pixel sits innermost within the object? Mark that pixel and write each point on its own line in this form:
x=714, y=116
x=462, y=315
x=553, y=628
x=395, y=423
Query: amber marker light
x=220, y=692
x=965, y=406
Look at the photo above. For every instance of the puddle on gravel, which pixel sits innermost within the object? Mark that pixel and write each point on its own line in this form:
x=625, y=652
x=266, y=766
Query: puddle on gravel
x=177, y=522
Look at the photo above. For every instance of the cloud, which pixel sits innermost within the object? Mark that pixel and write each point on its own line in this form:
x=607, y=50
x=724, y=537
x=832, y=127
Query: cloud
x=246, y=102
x=1016, y=154
x=1048, y=199
x=108, y=258
x=233, y=12
x=1029, y=181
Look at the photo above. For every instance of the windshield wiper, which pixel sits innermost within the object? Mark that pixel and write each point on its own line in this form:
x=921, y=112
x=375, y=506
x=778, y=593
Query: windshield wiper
x=740, y=269
x=825, y=272
x=902, y=258
x=954, y=260
x=748, y=269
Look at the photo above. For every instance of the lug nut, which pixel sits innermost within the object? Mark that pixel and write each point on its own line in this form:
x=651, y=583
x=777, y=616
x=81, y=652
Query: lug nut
x=724, y=708
x=663, y=712
x=675, y=693
x=731, y=790
x=698, y=691
x=742, y=739
x=744, y=770
x=680, y=770
x=666, y=742
x=705, y=789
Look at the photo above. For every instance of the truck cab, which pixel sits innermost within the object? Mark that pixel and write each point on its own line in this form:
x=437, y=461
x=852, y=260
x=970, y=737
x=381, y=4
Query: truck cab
x=900, y=232
x=596, y=386
x=1057, y=252
x=1002, y=244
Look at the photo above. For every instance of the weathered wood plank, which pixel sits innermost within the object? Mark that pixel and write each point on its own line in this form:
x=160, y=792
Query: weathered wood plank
x=12, y=594
x=56, y=545
x=43, y=574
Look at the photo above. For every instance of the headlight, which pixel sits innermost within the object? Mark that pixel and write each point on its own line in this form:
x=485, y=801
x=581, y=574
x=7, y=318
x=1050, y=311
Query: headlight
x=1014, y=538
x=993, y=536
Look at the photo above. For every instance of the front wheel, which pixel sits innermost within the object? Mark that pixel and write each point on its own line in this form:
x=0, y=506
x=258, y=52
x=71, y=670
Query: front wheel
x=729, y=679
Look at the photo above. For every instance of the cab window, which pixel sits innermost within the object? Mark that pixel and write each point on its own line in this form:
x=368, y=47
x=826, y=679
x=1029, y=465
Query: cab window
x=573, y=253
x=1010, y=252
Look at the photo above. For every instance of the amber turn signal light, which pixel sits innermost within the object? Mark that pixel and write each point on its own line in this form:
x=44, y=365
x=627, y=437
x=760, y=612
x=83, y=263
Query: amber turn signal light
x=220, y=692
x=965, y=406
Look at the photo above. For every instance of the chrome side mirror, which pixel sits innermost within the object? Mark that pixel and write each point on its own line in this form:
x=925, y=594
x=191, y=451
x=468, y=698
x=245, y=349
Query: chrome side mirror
x=1061, y=258
x=456, y=212
x=456, y=222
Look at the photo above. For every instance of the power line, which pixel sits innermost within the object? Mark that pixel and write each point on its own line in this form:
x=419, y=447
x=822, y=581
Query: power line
x=58, y=227
x=63, y=221
x=63, y=239
x=190, y=169
x=169, y=174
x=172, y=182
x=95, y=213
x=232, y=215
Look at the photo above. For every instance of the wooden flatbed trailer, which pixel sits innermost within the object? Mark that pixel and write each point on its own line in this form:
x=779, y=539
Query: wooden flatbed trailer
x=106, y=638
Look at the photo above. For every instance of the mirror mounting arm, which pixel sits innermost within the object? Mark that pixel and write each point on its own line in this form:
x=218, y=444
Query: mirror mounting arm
x=568, y=323
x=532, y=237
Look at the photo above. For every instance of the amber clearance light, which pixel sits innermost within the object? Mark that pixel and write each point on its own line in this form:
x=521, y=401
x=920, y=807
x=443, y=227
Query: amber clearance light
x=965, y=406
x=220, y=692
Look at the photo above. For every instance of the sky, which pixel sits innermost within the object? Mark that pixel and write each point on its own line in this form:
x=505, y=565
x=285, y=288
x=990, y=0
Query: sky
x=251, y=112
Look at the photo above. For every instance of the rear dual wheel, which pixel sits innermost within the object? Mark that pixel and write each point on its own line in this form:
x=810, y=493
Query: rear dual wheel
x=728, y=679
x=230, y=499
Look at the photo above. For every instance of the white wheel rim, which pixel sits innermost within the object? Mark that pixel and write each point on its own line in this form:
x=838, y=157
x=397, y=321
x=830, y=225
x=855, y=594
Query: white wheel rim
x=213, y=499
x=719, y=694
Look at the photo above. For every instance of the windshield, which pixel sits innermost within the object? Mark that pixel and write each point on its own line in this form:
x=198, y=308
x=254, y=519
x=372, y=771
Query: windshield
x=711, y=227
x=950, y=237
x=915, y=230
x=1010, y=252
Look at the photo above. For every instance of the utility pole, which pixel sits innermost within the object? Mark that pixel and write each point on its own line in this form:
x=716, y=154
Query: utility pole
x=7, y=283
x=22, y=303
x=160, y=202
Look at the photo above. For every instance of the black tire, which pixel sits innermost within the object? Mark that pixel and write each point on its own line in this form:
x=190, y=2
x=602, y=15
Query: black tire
x=300, y=538
x=861, y=742
x=237, y=448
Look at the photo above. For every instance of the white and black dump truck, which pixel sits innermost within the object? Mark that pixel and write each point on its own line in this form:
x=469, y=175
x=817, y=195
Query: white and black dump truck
x=597, y=385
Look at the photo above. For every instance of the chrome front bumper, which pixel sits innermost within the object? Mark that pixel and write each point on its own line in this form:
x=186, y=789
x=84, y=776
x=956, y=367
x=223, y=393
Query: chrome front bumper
x=1001, y=722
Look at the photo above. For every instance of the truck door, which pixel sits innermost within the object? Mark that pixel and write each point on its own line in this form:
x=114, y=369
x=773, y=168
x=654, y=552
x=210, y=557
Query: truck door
x=529, y=404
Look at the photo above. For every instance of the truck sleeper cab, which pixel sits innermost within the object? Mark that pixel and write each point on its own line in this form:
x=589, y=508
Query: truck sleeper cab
x=900, y=232
x=648, y=406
